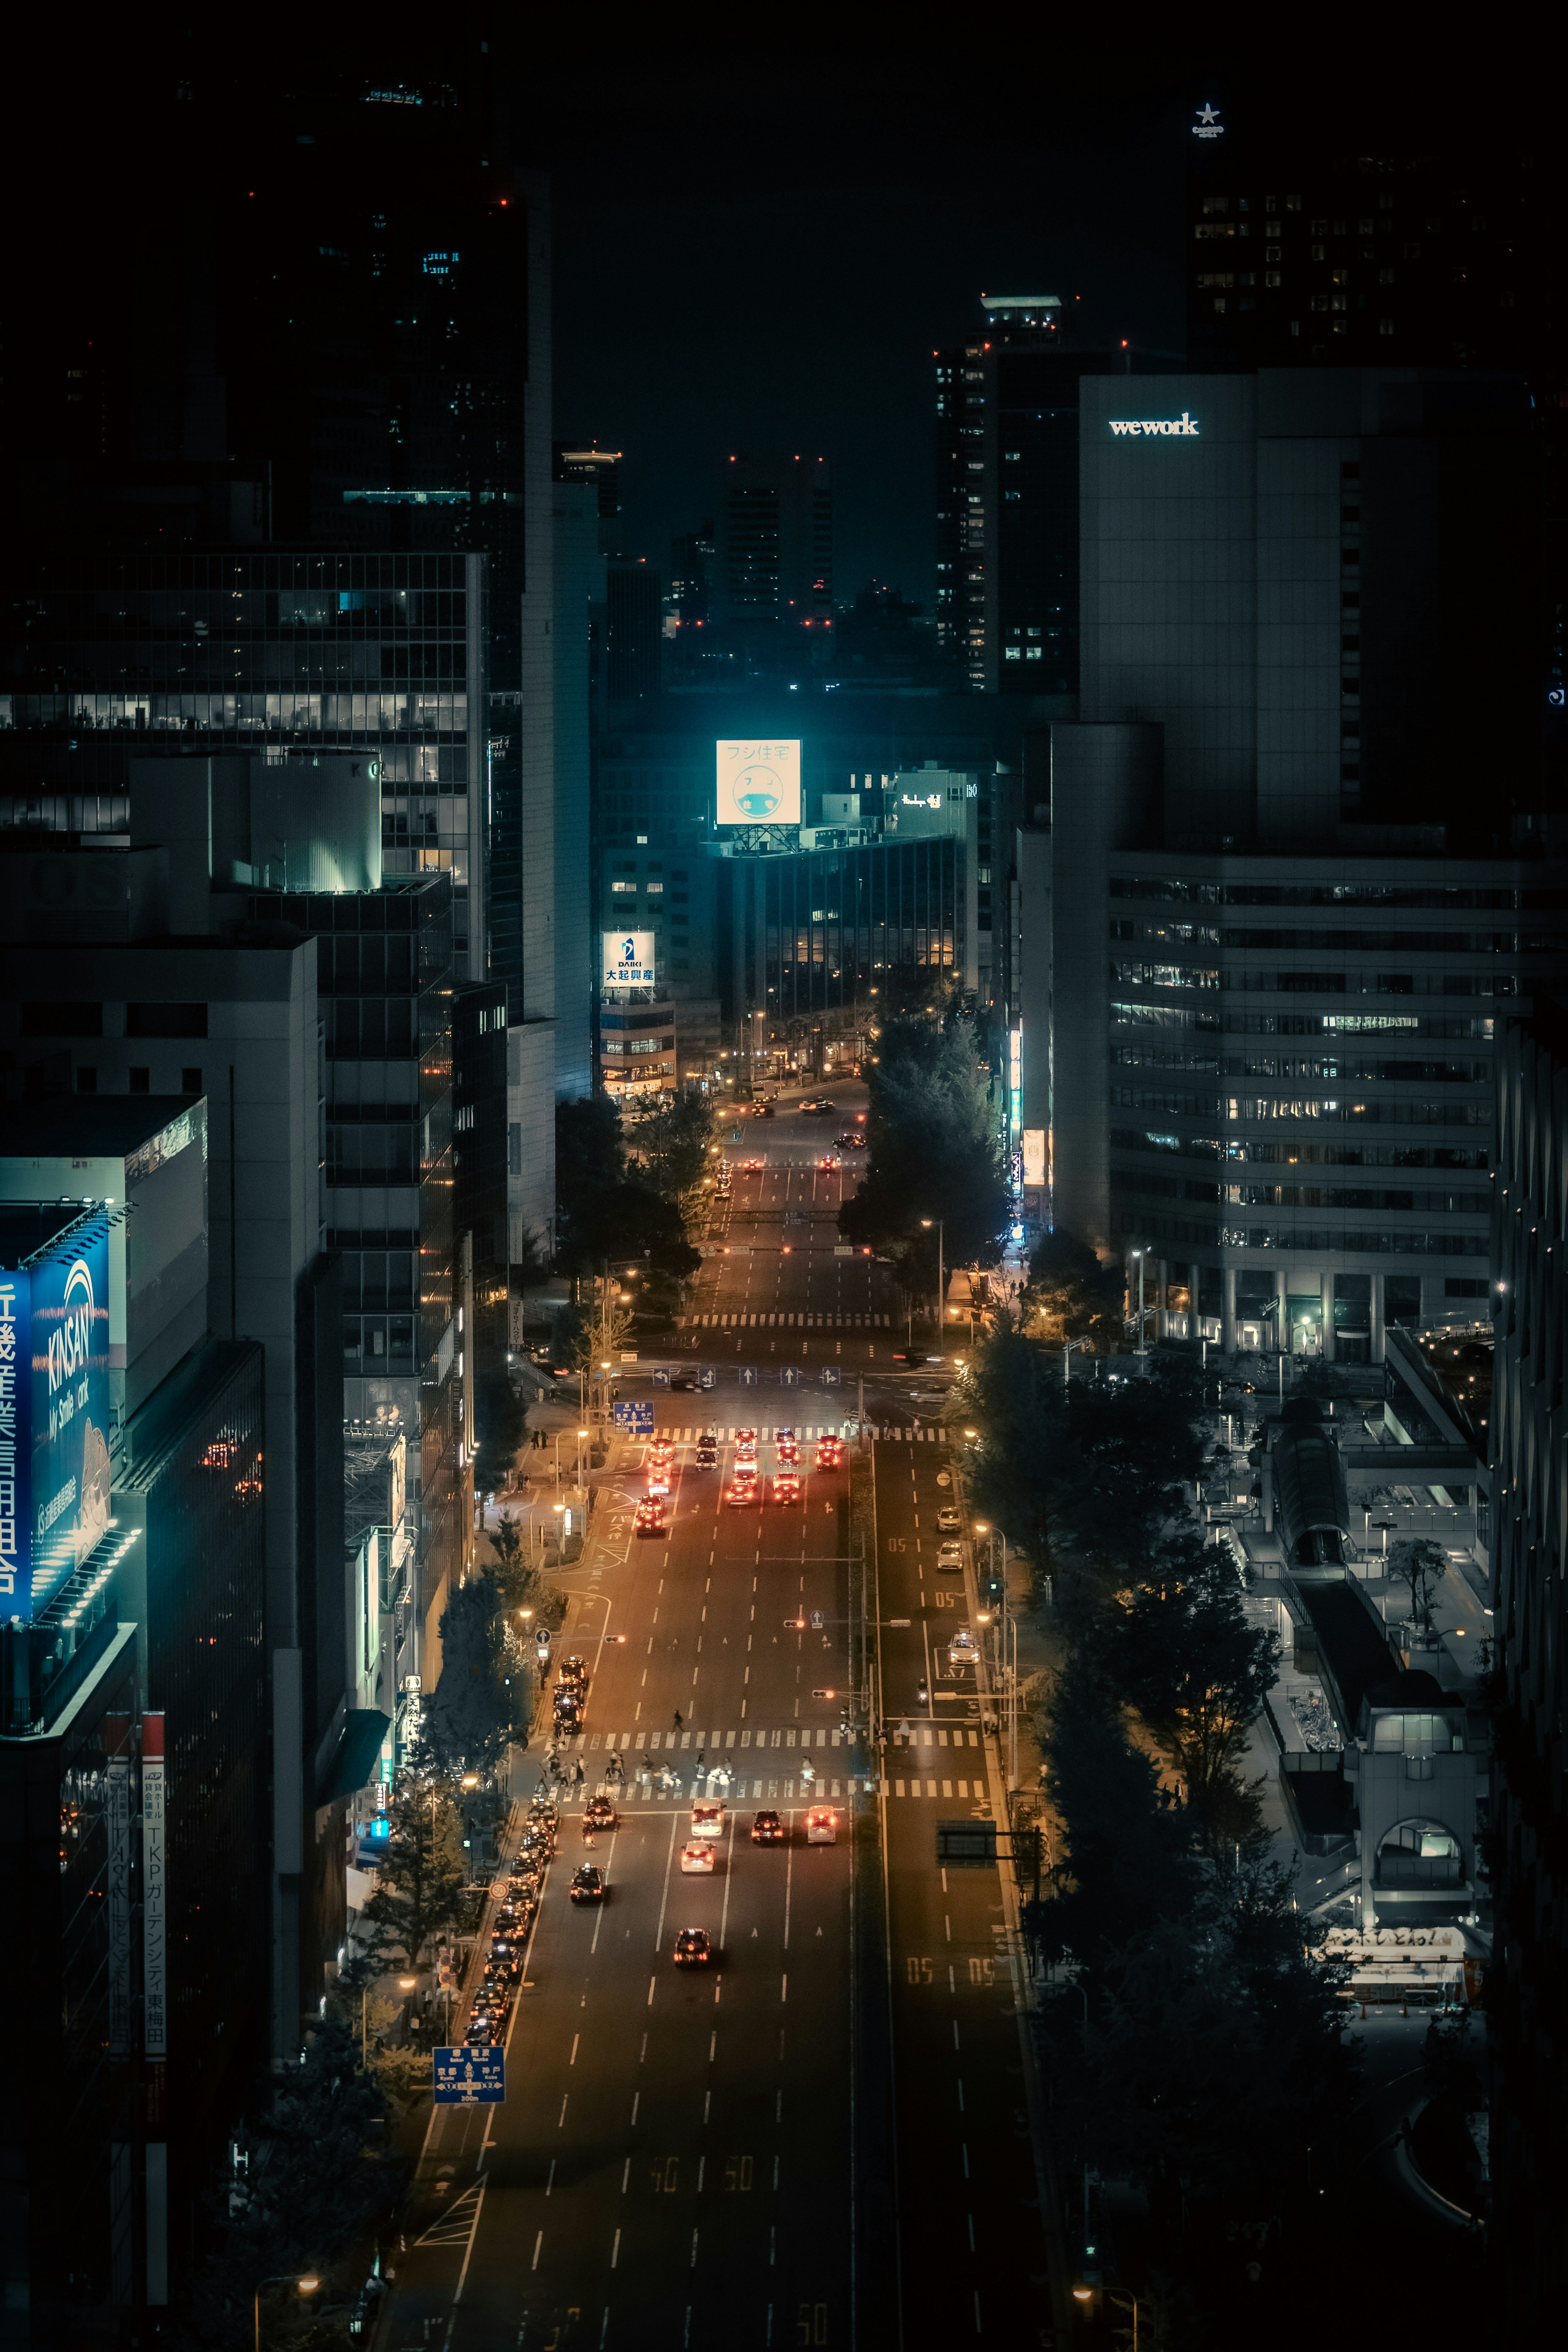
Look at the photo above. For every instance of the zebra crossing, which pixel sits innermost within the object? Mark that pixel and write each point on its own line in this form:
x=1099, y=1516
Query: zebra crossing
x=762, y=1761
x=805, y=1430
x=800, y=1320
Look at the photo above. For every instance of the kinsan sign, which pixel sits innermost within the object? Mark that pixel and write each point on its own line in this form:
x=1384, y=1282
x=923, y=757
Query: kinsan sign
x=1184, y=424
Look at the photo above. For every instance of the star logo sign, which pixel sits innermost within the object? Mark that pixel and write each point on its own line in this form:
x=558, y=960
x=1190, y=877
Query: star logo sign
x=1208, y=124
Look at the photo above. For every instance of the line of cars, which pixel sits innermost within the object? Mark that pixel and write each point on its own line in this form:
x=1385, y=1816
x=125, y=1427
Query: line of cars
x=745, y=1486
x=658, y=1474
x=509, y=1927
x=694, y=1946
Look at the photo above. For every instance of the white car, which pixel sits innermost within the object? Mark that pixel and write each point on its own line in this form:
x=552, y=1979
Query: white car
x=950, y=1555
x=707, y=1820
x=821, y=1826
x=948, y=1521
x=961, y=1649
x=696, y=1857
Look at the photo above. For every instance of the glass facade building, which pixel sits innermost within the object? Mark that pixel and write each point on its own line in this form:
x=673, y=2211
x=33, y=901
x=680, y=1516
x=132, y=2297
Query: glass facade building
x=105, y=660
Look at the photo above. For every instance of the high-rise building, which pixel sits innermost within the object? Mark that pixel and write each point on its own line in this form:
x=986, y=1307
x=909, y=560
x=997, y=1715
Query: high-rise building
x=133, y=1711
x=776, y=544
x=1008, y=495
x=1369, y=249
x=1530, y=1822
x=1283, y=917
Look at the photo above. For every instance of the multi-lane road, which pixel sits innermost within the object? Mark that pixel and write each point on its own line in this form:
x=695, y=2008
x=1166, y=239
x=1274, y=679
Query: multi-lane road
x=824, y=2138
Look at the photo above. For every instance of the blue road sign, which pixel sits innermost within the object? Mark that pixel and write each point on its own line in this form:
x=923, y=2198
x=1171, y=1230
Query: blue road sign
x=637, y=1418
x=832, y=1375
x=707, y=1376
x=661, y=1379
x=467, y=2076
x=791, y=1376
x=748, y=1376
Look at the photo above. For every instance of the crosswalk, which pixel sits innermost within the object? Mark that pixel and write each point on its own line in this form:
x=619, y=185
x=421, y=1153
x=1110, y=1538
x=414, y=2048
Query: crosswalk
x=925, y=1744
x=799, y=1321
x=745, y=1788
x=805, y=1430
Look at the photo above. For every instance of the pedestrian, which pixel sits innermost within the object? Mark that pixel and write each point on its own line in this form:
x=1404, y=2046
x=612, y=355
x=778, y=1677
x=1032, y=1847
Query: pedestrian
x=577, y=1773
x=679, y=1720
x=702, y=1758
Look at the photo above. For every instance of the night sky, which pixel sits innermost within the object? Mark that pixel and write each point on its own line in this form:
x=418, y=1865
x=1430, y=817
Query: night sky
x=763, y=258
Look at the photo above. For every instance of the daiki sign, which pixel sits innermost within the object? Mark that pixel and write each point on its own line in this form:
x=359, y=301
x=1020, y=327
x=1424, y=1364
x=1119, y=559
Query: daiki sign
x=54, y=1416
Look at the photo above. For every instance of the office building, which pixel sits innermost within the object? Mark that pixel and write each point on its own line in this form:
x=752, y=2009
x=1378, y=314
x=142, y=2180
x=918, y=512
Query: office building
x=1529, y=2076
x=1366, y=251
x=1008, y=495
x=110, y=1028
x=775, y=545
x=1269, y=799
x=634, y=636
x=133, y=1720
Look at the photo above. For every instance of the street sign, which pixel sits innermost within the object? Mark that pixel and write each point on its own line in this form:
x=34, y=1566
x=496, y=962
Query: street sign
x=467, y=2076
x=966, y=1846
x=748, y=1376
x=661, y=1379
x=790, y=1376
x=636, y=1418
x=816, y=1621
x=706, y=1376
x=832, y=1375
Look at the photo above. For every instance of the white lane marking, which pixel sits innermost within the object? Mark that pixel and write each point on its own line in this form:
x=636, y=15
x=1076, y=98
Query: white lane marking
x=537, y=2243
x=789, y=1868
x=578, y=2037
x=614, y=2257
x=561, y=2124
x=663, y=1900
x=551, y=2182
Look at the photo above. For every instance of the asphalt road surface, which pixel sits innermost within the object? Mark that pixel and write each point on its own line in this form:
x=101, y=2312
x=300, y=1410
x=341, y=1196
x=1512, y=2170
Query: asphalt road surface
x=823, y=2138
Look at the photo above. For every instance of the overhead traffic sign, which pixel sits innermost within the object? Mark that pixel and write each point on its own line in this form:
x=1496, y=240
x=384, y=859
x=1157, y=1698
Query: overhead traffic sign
x=466, y=2075
x=637, y=1418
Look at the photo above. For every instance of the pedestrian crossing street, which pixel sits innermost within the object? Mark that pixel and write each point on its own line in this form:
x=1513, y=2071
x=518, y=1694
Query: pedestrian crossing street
x=744, y=1752
x=801, y=1321
x=805, y=1430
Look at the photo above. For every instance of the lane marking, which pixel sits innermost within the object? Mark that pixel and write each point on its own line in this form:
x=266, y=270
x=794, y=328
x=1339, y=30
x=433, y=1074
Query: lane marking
x=537, y=2243
x=614, y=2258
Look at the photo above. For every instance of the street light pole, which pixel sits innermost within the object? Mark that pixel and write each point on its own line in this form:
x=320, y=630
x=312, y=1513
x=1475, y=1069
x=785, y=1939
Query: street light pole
x=1139, y=1256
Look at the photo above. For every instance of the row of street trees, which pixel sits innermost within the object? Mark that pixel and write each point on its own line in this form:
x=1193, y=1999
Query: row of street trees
x=1193, y=2039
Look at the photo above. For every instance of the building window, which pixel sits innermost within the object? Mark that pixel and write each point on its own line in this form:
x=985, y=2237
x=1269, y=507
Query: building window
x=87, y=1082
x=190, y=1082
x=140, y=1082
x=1385, y=326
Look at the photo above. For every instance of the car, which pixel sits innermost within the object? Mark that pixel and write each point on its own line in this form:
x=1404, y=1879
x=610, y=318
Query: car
x=766, y=1828
x=948, y=1521
x=829, y=1452
x=599, y=1814
x=783, y=1488
x=587, y=1885
x=789, y=1453
x=821, y=1826
x=707, y=1446
x=572, y=1670
x=818, y=1105
x=745, y=1441
x=765, y=1110
x=708, y=1818
x=684, y=1381
x=658, y=1481
x=950, y=1555
x=696, y=1857
x=829, y=1163
x=751, y=1167
x=741, y=1493
x=650, y=1516
x=961, y=1649
x=568, y=1712
x=693, y=1948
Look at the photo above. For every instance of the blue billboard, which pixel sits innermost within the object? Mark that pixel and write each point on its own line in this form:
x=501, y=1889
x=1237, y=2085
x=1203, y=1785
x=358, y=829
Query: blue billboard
x=54, y=1417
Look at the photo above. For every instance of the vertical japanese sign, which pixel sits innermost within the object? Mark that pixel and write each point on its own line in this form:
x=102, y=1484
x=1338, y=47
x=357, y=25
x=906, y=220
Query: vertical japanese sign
x=154, y=1892
x=116, y=1748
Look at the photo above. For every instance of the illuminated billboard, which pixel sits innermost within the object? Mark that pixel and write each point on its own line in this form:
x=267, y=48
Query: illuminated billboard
x=759, y=782
x=1034, y=1156
x=54, y=1417
x=628, y=959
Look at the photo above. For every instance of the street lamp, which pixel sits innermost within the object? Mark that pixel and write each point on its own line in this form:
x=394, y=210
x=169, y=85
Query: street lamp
x=305, y=2285
x=1139, y=1256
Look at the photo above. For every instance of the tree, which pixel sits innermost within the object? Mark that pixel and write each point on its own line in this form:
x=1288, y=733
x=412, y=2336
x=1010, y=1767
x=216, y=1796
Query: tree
x=1181, y=1653
x=480, y=1703
x=420, y=1878
x=672, y=1145
x=1136, y=1444
x=1128, y=1860
x=603, y=1213
x=1422, y=1565
x=522, y=1586
x=1070, y=1296
x=502, y=1421
x=1013, y=1392
x=931, y=1154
